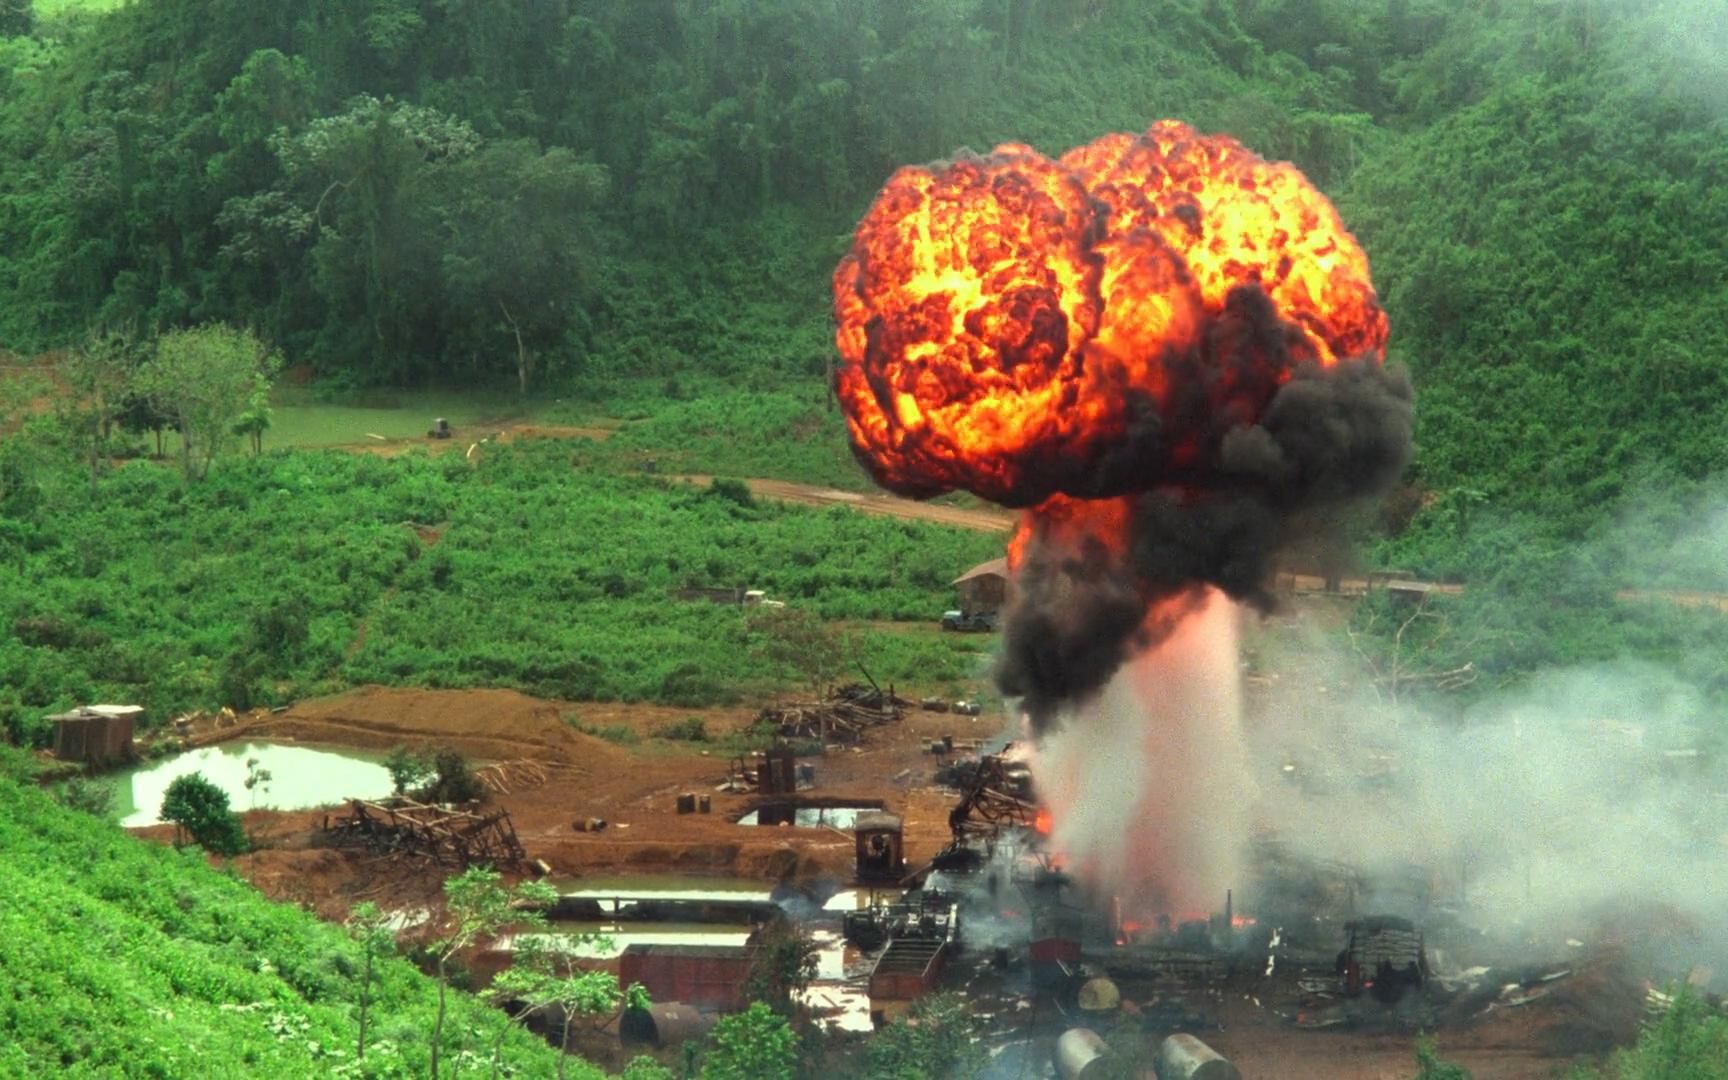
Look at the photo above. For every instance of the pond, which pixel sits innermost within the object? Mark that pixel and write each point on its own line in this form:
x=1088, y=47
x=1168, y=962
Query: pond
x=620, y=936
x=661, y=887
x=807, y=817
x=300, y=777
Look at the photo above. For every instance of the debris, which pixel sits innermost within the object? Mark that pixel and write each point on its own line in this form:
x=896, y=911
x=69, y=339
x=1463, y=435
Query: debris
x=403, y=826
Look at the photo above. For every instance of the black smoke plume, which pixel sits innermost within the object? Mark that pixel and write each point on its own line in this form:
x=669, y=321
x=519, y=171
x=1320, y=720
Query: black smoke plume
x=1327, y=438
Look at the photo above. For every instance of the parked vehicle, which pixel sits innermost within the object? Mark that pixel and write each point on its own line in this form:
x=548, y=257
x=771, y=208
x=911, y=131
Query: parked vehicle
x=969, y=621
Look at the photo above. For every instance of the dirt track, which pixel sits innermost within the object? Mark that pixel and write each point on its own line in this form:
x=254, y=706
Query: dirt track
x=982, y=519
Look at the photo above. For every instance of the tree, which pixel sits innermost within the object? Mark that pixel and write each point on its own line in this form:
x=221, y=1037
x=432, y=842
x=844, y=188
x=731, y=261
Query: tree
x=254, y=420
x=477, y=907
x=521, y=240
x=936, y=1040
x=756, y=1044
x=407, y=769
x=543, y=975
x=140, y=414
x=98, y=375
x=784, y=965
x=797, y=640
x=200, y=808
x=204, y=378
x=256, y=778
x=370, y=927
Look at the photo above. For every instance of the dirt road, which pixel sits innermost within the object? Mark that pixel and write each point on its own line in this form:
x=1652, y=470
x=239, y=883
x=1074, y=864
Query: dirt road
x=982, y=519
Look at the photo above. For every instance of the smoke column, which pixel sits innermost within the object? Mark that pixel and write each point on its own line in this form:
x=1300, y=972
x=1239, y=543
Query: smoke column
x=1147, y=782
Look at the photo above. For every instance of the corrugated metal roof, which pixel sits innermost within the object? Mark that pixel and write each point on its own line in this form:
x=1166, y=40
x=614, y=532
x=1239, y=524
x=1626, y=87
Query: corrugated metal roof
x=993, y=568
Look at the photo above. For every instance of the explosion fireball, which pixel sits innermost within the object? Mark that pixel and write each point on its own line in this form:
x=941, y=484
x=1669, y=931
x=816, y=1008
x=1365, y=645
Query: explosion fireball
x=1165, y=348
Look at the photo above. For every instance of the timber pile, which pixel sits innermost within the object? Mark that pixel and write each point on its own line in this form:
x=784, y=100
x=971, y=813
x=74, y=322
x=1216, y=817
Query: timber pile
x=871, y=697
x=839, y=719
x=402, y=826
x=503, y=776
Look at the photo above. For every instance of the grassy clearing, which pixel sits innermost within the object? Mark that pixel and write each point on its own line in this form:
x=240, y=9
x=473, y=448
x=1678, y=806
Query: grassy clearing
x=300, y=420
x=50, y=8
x=307, y=572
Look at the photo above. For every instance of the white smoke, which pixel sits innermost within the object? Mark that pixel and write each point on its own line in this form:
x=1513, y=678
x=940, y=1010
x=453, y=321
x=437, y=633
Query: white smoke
x=1147, y=782
x=1585, y=790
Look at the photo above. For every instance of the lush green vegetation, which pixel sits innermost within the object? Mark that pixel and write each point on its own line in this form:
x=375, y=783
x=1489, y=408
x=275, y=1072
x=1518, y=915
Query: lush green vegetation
x=298, y=573
x=568, y=195
x=126, y=958
x=1689, y=1043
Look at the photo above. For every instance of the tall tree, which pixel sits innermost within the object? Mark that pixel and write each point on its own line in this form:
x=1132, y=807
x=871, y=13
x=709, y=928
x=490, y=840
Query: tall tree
x=520, y=245
x=204, y=378
x=98, y=376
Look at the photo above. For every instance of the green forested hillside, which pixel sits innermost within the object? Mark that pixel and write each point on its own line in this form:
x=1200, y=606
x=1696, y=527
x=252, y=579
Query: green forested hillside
x=568, y=194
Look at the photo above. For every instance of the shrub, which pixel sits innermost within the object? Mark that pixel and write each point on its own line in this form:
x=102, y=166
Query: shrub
x=689, y=729
x=93, y=797
x=201, y=809
x=452, y=780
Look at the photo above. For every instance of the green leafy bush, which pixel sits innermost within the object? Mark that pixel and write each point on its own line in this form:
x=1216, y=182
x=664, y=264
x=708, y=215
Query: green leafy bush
x=201, y=808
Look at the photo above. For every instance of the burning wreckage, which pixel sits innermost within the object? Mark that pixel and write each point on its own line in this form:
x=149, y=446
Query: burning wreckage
x=1168, y=353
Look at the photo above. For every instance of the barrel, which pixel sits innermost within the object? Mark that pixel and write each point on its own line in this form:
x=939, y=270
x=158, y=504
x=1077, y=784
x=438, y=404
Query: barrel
x=704, y=804
x=1183, y=1057
x=687, y=803
x=1080, y=1055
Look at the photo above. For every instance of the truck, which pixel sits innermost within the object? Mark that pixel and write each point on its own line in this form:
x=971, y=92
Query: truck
x=969, y=621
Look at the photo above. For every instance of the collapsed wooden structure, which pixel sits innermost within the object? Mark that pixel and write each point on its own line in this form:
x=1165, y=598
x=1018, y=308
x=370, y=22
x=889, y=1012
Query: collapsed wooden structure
x=995, y=795
x=849, y=711
x=401, y=826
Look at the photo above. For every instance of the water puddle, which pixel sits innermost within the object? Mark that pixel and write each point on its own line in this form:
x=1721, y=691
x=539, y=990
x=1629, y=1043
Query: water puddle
x=300, y=777
x=839, y=995
x=661, y=887
x=615, y=937
x=861, y=899
x=807, y=817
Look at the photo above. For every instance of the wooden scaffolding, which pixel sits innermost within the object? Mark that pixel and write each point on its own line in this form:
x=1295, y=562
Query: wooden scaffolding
x=403, y=826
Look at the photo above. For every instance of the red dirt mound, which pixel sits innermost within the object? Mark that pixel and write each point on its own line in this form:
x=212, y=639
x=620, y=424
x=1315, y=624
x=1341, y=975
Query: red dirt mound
x=498, y=725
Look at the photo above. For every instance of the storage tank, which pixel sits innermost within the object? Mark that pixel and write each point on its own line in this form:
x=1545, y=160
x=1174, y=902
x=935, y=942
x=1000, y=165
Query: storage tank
x=1183, y=1057
x=664, y=1023
x=1079, y=1055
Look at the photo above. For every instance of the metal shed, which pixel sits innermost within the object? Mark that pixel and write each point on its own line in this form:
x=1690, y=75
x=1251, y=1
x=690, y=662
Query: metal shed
x=881, y=852
x=706, y=976
x=984, y=588
x=96, y=734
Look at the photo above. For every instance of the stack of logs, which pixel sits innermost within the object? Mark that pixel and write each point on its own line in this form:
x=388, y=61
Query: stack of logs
x=844, y=717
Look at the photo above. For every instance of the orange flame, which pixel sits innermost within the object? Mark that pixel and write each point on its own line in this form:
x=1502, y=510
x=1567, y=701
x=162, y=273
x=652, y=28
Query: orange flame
x=997, y=314
x=1041, y=821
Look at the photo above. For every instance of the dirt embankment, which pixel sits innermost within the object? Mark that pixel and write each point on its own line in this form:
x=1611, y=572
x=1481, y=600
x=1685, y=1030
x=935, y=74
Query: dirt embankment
x=495, y=725
x=981, y=519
